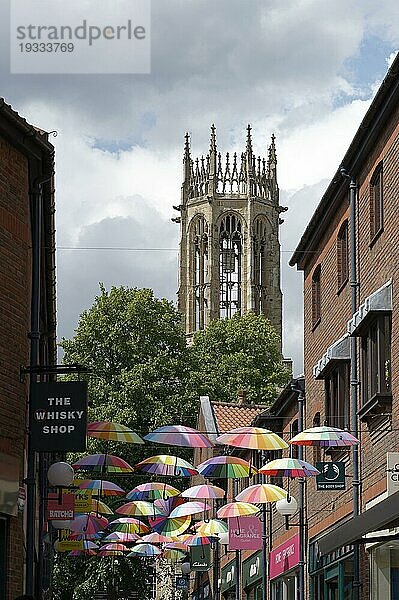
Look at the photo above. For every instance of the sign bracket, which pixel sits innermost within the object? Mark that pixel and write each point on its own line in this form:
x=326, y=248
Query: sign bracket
x=52, y=370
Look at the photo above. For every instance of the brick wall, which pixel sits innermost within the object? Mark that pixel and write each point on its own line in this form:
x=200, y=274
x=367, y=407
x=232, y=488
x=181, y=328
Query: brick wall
x=15, y=277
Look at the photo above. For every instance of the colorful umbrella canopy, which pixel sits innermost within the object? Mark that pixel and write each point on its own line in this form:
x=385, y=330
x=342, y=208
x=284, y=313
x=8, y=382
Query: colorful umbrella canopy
x=170, y=526
x=123, y=538
x=82, y=553
x=176, y=546
x=226, y=466
x=166, y=506
x=100, y=487
x=106, y=463
x=128, y=525
x=237, y=509
x=100, y=508
x=324, y=436
x=197, y=540
x=204, y=491
x=255, y=438
x=145, y=550
x=114, y=547
x=105, y=430
x=212, y=528
x=189, y=508
x=173, y=555
x=156, y=538
x=165, y=464
x=152, y=490
x=288, y=467
x=261, y=493
x=103, y=553
x=138, y=508
x=88, y=523
x=179, y=435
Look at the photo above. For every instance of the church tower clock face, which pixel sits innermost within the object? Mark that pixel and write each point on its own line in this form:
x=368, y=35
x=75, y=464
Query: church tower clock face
x=229, y=260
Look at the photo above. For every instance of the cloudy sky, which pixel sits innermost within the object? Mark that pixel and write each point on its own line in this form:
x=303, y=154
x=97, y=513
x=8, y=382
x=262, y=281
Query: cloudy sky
x=303, y=69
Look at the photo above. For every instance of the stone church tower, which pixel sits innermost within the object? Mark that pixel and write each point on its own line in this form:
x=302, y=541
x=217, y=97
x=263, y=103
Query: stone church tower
x=229, y=245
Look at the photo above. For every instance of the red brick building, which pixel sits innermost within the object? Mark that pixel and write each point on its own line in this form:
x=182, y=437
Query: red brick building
x=364, y=399
x=26, y=174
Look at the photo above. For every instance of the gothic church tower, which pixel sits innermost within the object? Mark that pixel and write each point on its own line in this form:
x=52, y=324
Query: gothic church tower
x=229, y=244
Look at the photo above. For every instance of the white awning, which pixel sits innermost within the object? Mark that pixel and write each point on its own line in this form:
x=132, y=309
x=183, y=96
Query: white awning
x=339, y=350
x=379, y=301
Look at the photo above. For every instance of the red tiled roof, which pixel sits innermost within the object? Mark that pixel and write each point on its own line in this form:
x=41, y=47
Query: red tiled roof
x=229, y=416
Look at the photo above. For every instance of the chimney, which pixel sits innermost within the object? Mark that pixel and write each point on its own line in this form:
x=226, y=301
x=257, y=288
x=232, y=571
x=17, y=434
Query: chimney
x=242, y=396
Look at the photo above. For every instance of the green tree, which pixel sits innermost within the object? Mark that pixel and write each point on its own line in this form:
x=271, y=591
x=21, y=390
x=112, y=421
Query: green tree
x=241, y=353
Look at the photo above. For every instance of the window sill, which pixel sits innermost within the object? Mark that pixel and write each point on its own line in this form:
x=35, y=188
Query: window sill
x=316, y=323
x=342, y=286
x=375, y=237
x=375, y=406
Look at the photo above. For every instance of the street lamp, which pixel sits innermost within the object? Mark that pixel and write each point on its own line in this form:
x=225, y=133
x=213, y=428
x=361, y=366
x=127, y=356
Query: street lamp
x=287, y=507
x=60, y=474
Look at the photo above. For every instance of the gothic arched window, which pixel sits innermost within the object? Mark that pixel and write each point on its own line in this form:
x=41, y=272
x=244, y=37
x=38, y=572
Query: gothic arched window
x=200, y=247
x=230, y=259
x=259, y=265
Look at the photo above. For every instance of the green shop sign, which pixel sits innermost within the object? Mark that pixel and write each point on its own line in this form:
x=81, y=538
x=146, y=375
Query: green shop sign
x=200, y=558
x=252, y=569
x=228, y=576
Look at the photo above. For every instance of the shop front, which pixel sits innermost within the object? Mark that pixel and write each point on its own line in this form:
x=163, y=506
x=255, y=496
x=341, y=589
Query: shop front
x=252, y=571
x=227, y=585
x=331, y=575
x=283, y=570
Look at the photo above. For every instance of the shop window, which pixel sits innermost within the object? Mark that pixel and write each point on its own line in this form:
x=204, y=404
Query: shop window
x=337, y=390
x=343, y=255
x=376, y=362
x=316, y=296
x=376, y=203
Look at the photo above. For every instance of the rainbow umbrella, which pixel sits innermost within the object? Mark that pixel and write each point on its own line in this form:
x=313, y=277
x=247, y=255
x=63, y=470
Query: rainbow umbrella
x=82, y=553
x=179, y=435
x=115, y=432
x=103, y=553
x=198, y=540
x=166, y=506
x=174, y=555
x=165, y=464
x=237, y=509
x=212, y=528
x=88, y=523
x=324, y=436
x=261, y=493
x=82, y=535
x=288, y=467
x=105, y=463
x=114, y=547
x=170, y=526
x=145, y=550
x=100, y=508
x=189, y=508
x=123, y=538
x=152, y=491
x=156, y=538
x=204, y=491
x=226, y=466
x=138, y=508
x=100, y=487
x=255, y=438
x=177, y=545
x=128, y=525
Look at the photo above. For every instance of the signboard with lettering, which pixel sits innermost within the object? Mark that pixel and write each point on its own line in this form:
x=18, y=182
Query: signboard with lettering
x=252, y=569
x=332, y=475
x=60, y=508
x=64, y=544
x=245, y=533
x=284, y=557
x=227, y=576
x=181, y=582
x=200, y=558
x=58, y=417
x=83, y=499
x=392, y=472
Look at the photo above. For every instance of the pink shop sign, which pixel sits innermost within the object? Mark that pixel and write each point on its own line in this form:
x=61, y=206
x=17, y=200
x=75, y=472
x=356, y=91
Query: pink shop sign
x=245, y=533
x=284, y=557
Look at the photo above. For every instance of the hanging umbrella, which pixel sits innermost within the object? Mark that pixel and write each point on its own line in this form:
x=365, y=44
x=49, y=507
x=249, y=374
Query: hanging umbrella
x=101, y=488
x=114, y=547
x=226, y=466
x=138, y=508
x=170, y=526
x=105, y=463
x=204, y=491
x=75, y=553
x=174, y=555
x=179, y=435
x=128, y=525
x=178, y=545
x=324, y=436
x=237, y=509
x=145, y=550
x=152, y=491
x=123, y=538
x=165, y=464
x=212, y=528
x=103, y=553
x=255, y=438
x=189, y=508
x=261, y=493
x=88, y=523
x=115, y=432
x=288, y=467
x=198, y=540
x=156, y=538
x=100, y=508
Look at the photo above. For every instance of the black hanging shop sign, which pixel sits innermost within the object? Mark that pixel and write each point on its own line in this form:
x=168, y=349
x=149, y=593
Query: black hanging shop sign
x=58, y=416
x=332, y=476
